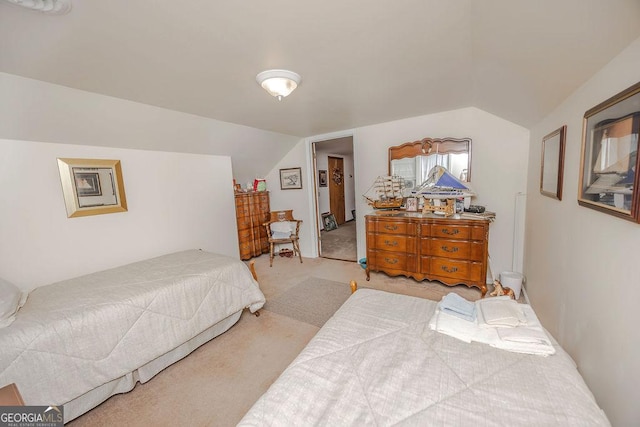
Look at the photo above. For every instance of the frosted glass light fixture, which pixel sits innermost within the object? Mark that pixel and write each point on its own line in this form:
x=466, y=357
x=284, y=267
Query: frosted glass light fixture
x=278, y=83
x=52, y=7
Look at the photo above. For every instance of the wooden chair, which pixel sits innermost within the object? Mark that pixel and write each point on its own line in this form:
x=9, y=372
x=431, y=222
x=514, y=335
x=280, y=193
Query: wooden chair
x=280, y=231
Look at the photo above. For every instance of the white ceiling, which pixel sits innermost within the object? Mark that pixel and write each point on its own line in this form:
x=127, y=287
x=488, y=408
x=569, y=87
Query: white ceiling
x=362, y=61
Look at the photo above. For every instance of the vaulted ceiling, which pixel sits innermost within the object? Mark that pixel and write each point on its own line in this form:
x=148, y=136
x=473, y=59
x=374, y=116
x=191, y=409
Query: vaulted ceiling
x=362, y=61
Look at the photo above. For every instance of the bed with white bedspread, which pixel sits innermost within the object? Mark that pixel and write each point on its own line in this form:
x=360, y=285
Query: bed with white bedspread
x=377, y=362
x=79, y=341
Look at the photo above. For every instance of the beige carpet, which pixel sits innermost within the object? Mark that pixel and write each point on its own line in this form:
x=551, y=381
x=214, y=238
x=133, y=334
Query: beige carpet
x=216, y=384
x=339, y=243
x=313, y=301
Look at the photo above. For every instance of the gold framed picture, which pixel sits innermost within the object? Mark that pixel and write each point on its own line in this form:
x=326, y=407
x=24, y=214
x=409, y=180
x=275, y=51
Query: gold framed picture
x=92, y=186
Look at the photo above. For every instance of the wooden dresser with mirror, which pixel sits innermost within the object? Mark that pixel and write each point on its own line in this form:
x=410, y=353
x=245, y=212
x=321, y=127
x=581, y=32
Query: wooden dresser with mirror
x=452, y=250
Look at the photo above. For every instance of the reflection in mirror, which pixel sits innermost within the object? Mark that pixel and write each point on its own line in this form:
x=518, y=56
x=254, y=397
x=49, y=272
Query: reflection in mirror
x=414, y=160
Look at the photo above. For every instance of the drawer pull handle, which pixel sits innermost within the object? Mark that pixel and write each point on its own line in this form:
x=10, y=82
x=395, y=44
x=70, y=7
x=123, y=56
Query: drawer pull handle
x=391, y=243
x=449, y=270
x=450, y=232
x=450, y=250
x=391, y=227
x=391, y=261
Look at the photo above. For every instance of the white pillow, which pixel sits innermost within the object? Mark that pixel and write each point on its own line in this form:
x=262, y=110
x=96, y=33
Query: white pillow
x=11, y=299
x=282, y=226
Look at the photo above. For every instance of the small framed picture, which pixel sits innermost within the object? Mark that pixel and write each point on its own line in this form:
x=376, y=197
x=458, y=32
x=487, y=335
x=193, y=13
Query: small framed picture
x=329, y=221
x=411, y=204
x=322, y=178
x=552, y=165
x=291, y=179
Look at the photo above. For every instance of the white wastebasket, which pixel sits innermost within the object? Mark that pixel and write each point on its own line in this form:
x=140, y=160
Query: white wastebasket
x=513, y=280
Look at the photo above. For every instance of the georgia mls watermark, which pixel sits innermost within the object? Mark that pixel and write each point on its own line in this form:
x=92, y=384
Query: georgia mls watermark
x=31, y=416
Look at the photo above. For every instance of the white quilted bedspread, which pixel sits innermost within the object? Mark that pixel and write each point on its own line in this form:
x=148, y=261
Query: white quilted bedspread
x=75, y=335
x=376, y=362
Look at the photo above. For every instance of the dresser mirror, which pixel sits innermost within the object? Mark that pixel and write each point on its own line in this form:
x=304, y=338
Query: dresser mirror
x=413, y=160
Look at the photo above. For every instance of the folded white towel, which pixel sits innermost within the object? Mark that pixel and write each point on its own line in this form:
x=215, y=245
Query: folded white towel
x=524, y=340
x=530, y=339
x=500, y=312
x=455, y=305
x=453, y=326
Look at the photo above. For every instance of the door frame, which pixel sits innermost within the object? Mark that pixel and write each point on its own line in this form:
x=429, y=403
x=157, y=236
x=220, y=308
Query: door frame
x=313, y=172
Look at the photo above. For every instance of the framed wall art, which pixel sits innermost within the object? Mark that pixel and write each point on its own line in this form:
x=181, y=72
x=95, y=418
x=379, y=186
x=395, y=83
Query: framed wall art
x=291, y=179
x=92, y=186
x=609, y=158
x=322, y=178
x=552, y=163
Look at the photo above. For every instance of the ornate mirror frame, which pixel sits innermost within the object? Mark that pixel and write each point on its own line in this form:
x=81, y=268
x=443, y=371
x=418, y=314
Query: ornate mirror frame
x=432, y=146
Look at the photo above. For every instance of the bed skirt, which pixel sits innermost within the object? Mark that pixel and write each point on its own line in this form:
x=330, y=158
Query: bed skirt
x=93, y=398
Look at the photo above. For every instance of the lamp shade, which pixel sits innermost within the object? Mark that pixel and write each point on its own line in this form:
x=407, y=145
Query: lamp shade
x=278, y=83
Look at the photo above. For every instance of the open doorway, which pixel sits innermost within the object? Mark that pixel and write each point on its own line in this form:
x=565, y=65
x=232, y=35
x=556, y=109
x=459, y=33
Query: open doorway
x=335, y=198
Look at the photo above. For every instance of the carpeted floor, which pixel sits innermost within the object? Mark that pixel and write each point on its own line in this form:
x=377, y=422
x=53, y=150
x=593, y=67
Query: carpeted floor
x=313, y=301
x=218, y=383
x=339, y=243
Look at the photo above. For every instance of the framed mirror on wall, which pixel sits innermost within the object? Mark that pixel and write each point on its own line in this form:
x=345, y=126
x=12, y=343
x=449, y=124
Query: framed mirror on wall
x=552, y=163
x=414, y=160
x=609, y=160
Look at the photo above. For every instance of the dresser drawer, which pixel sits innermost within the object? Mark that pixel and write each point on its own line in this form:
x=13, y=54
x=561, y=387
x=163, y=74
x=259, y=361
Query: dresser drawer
x=466, y=271
x=243, y=210
x=456, y=249
x=388, y=227
x=389, y=260
x=450, y=231
x=390, y=242
x=244, y=222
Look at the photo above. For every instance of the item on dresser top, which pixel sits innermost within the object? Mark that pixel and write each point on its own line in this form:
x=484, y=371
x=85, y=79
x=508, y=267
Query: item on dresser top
x=259, y=184
x=457, y=306
x=474, y=209
x=387, y=192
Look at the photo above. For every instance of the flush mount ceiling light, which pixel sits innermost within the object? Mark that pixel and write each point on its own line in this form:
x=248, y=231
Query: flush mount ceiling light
x=52, y=7
x=278, y=83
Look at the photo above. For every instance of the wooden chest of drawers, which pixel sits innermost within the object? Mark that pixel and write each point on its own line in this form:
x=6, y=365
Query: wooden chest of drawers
x=252, y=210
x=450, y=250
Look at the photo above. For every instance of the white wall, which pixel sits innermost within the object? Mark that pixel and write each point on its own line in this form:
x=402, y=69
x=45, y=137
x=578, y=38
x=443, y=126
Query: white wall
x=175, y=202
x=580, y=262
x=32, y=110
